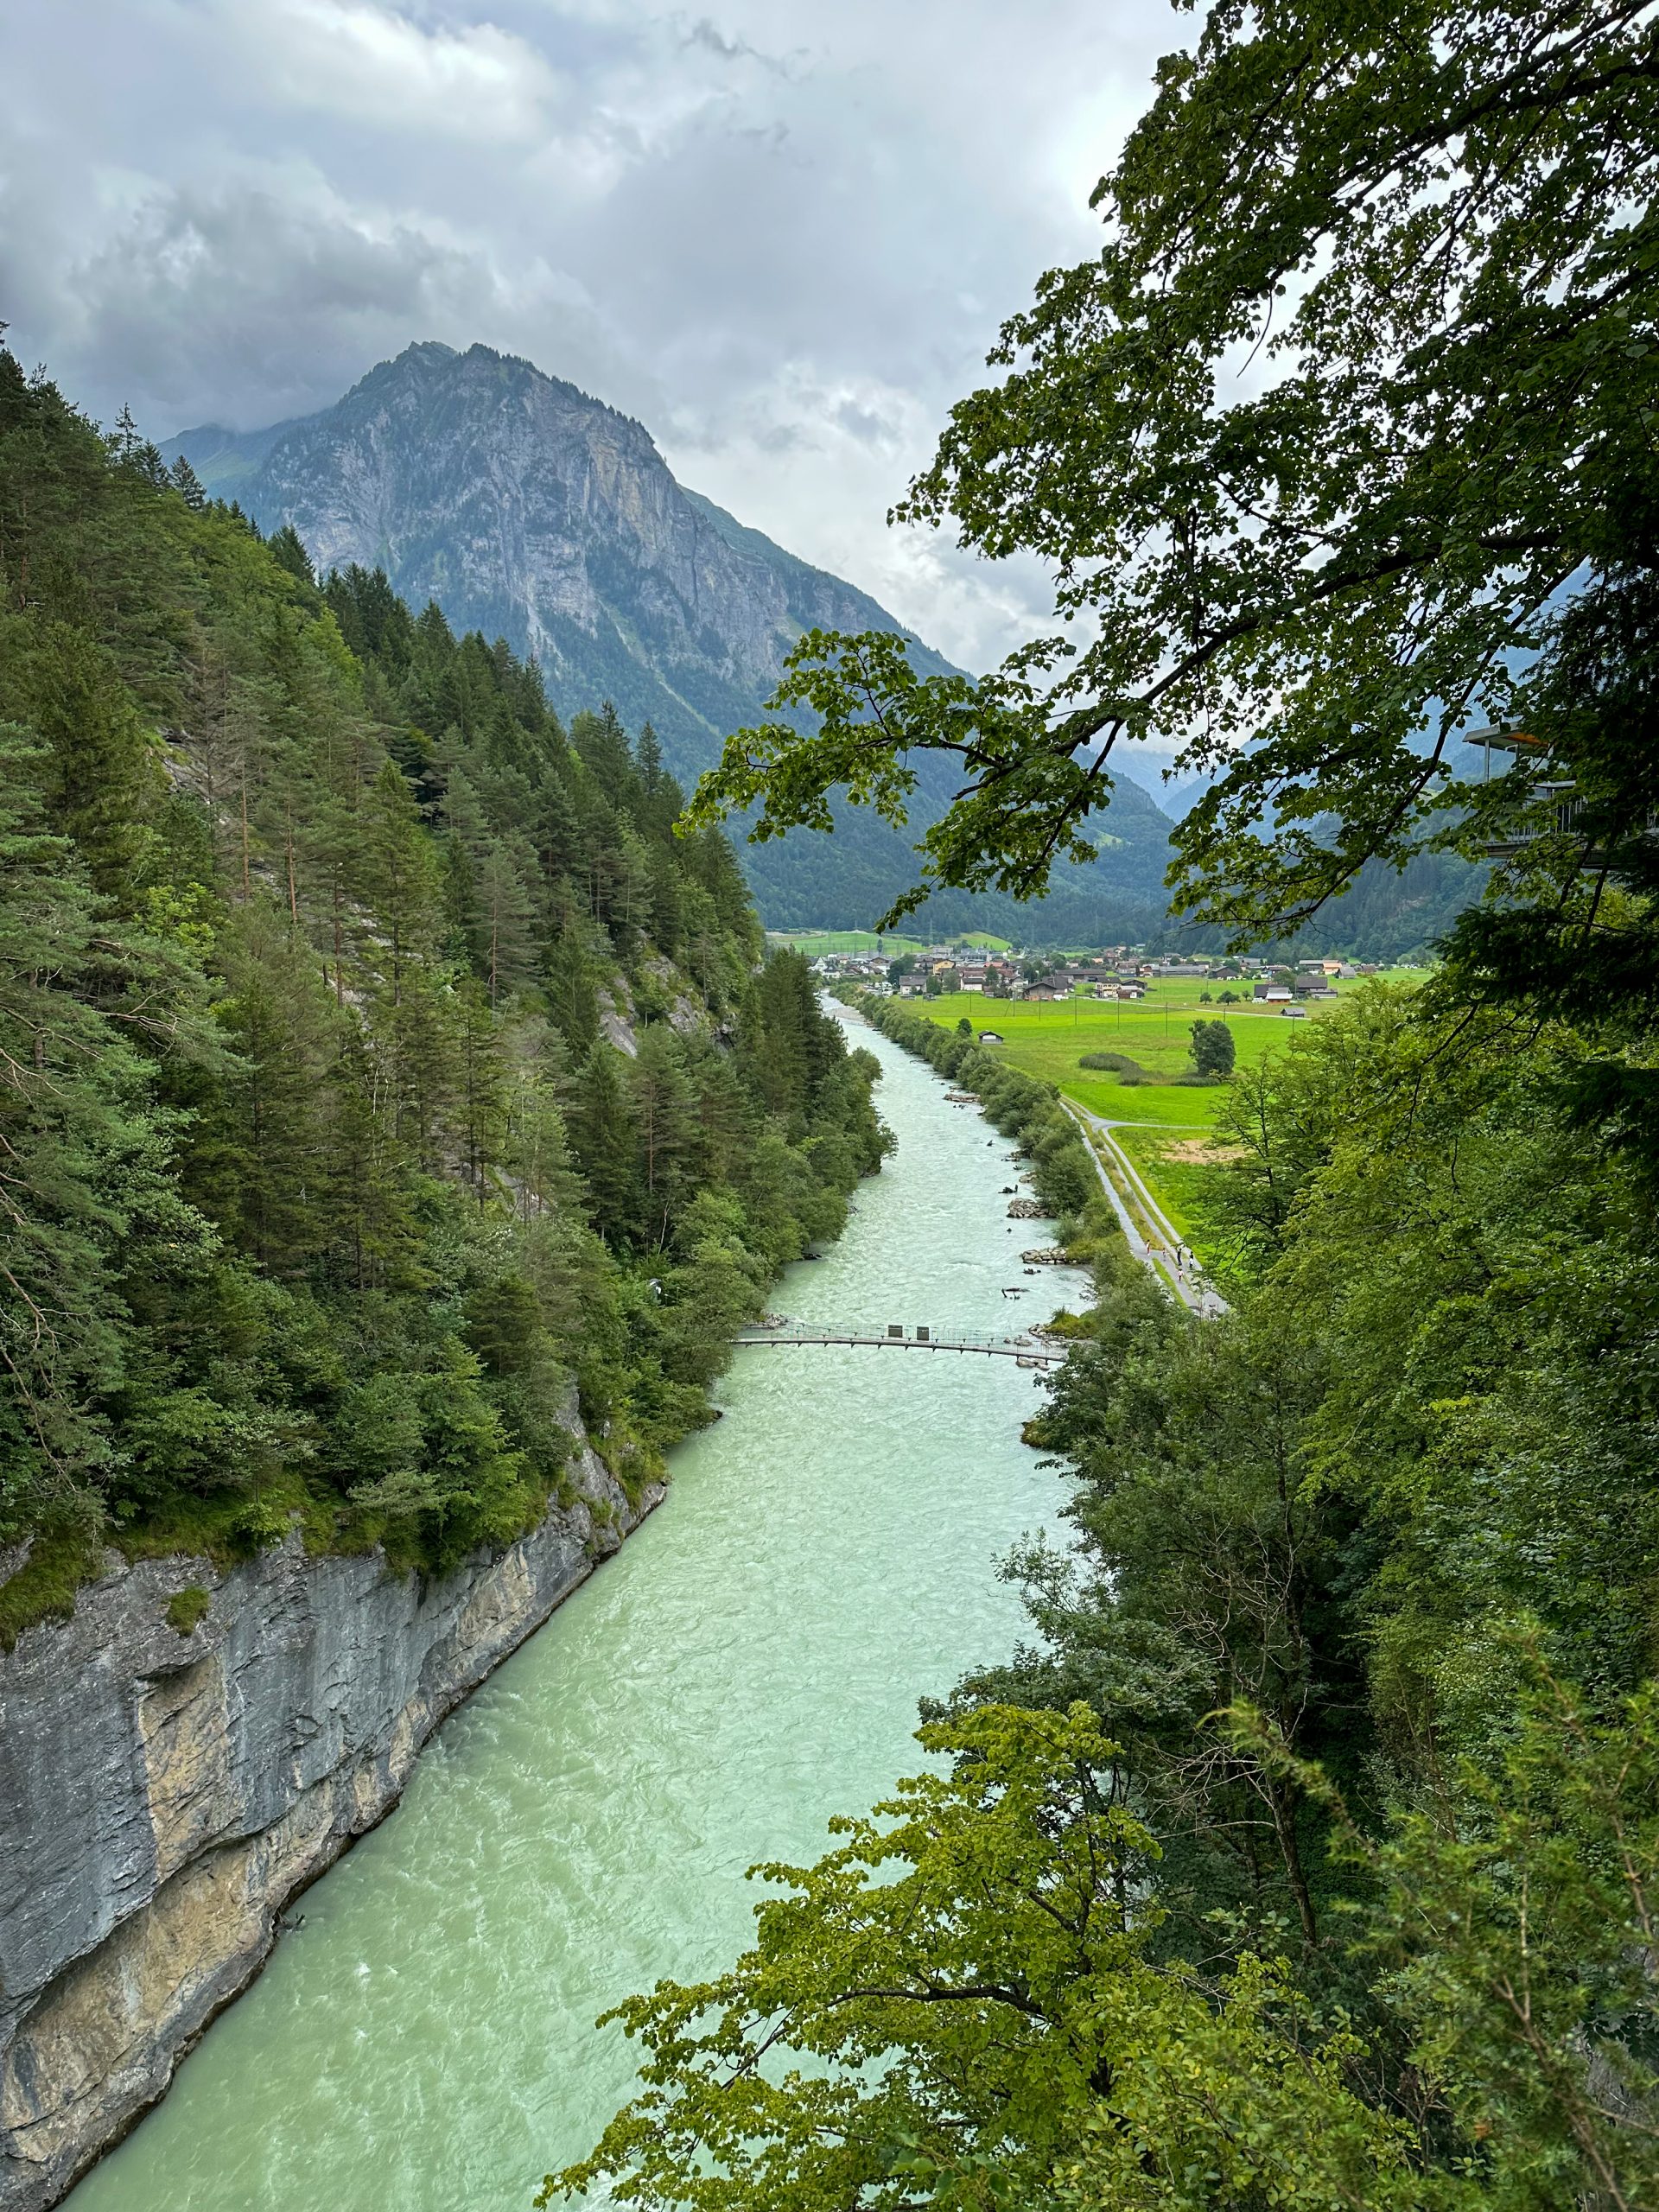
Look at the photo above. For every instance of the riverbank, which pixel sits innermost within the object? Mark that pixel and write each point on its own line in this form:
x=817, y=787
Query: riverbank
x=744, y=1669
x=164, y=1796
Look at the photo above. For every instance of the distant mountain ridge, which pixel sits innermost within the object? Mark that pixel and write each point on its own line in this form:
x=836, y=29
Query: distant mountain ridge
x=530, y=510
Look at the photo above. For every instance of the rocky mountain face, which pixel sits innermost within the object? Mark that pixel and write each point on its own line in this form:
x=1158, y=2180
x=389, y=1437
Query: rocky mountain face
x=528, y=511
x=163, y=1793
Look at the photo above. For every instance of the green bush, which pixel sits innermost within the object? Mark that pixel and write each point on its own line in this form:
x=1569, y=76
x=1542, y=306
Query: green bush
x=188, y=1609
x=1120, y=1062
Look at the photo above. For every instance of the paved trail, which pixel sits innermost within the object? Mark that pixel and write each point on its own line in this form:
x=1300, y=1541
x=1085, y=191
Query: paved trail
x=1152, y=1236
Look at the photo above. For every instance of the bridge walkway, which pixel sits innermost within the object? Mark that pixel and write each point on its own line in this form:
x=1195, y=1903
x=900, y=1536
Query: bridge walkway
x=896, y=1336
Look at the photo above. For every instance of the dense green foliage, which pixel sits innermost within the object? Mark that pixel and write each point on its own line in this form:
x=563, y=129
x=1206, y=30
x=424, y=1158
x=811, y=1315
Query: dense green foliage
x=989, y=2016
x=967, y=1976
x=1427, y=231
x=326, y=1190
x=1308, y=1854
x=1214, y=1052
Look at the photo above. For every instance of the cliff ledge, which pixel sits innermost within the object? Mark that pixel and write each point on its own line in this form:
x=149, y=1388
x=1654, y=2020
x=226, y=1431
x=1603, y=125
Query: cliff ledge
x=163, y=1795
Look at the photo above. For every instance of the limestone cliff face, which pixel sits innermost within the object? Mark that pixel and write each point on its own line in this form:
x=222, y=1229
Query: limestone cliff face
x=530, y=511
x=162, y=1795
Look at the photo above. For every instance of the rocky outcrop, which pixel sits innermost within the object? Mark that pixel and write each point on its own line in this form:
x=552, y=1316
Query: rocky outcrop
x=163, y=1795
x=616, y=1016
x=530, y=510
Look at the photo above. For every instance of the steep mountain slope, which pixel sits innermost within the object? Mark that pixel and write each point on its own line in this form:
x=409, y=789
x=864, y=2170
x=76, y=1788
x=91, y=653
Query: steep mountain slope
x=531, y=512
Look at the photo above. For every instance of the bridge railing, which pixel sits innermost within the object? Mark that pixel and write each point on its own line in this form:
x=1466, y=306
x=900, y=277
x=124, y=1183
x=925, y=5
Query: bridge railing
x=895, y=1332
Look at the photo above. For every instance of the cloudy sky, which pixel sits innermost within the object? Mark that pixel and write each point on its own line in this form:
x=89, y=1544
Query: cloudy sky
x=781, y=234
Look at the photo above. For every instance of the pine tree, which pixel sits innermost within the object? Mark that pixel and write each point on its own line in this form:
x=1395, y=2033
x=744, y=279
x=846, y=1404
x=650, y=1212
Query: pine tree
x=606, y=1135
x=410, y=1023
x=663, y=1107
x=571, y=973
x=536, y=1150
x=185, y=481
x=102, y=771
x=504, y=939
x=256, y=1157
x=480, y=1088
x=370, y=1230
x=601, y=744
x=664, y=911
x=286, y=548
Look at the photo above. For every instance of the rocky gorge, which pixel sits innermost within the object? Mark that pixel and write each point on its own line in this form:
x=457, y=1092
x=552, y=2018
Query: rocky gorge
x=166, y=1792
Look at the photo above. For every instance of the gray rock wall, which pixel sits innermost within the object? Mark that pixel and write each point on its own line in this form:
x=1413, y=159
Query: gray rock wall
x=162, y=1797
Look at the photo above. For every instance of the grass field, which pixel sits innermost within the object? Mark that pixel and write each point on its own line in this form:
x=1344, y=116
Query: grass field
x=1163, y=1123
x=1050, y=1039
x=1172, y=1165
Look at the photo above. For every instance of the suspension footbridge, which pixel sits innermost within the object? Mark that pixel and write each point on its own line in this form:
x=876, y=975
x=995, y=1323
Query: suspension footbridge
x=1031, y=1351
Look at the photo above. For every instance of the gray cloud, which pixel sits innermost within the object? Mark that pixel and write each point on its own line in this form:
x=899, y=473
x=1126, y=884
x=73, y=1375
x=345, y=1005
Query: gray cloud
x=781, y=235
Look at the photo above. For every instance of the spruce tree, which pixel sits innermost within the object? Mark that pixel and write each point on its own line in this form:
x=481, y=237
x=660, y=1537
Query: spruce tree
x=480, y=1103
x=663, y=1107
x=256, y=1156
x=186, y=482
x=605, y=1132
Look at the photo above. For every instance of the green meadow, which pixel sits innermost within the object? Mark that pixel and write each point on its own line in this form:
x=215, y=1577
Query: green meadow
x=1162, y=1124
x=1049, y=1040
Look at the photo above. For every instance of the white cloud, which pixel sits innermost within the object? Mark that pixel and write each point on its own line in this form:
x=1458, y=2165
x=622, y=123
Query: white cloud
x=375, y=66
x=782, y=235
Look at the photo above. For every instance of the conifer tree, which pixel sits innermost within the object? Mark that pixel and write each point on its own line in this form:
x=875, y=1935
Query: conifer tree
x=102, y=769
x=662, y=1112
x=87, y=1186
x=288, y=551
x=411, y=1025
x=504, y=945
x=480, y=1086
x=255, y=1160
x=188, y=485
x=605, y=1132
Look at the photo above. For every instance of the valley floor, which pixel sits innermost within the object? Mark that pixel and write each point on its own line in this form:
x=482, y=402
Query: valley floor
x=1167, y=1128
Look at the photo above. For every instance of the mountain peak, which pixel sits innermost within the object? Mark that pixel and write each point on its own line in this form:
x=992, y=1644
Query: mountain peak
x=532, y=511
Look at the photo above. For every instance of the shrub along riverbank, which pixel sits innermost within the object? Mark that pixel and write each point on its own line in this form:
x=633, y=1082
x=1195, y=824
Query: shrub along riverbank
x=1020, y=1106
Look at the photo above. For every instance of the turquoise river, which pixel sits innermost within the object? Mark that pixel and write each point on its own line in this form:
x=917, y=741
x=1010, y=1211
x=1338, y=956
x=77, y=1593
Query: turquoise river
x=747, y=1666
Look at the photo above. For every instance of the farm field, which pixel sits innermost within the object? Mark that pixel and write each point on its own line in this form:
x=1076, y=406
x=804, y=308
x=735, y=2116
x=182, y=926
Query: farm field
x=1049, y=1040
x=1162, y=1121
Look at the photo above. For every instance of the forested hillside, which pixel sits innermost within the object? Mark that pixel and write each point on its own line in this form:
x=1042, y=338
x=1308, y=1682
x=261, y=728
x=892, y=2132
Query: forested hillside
x=383, y=1079
x=526, y=509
